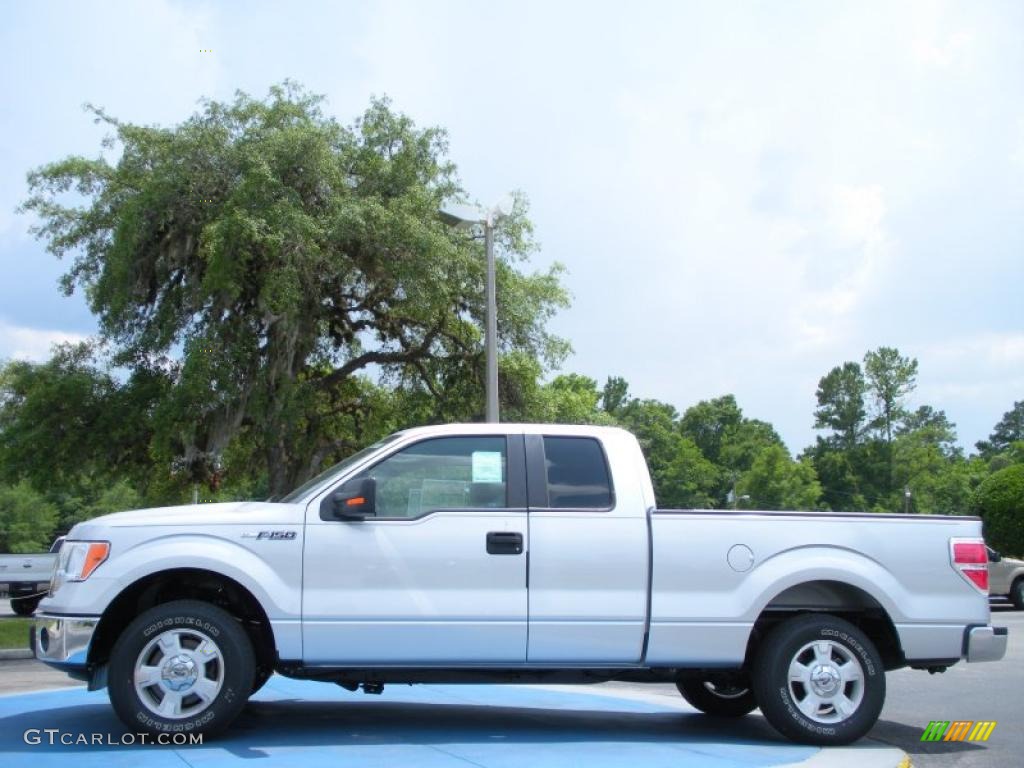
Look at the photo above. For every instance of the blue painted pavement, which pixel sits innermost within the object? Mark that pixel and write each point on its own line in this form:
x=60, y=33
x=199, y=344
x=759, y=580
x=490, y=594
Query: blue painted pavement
x=311, y=724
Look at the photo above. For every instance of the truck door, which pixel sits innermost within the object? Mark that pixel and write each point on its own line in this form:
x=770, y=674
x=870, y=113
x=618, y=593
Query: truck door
x=438, y=574
x=588, y=552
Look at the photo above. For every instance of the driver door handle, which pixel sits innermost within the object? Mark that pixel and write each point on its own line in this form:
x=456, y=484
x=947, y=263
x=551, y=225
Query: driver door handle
x=504, y=543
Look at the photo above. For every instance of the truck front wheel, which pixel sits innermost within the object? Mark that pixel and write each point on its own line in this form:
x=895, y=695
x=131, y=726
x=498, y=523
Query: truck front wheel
x=181, y=667
x=718, y=696
x=1016, y=594
x=819, y=680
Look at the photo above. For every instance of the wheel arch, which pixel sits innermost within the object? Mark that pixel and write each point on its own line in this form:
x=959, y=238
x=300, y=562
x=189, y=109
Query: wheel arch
x=167, y=585
x=836, y=597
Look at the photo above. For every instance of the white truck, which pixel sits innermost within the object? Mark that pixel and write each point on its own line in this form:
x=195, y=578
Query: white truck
x=512, y=553
x=25, y=579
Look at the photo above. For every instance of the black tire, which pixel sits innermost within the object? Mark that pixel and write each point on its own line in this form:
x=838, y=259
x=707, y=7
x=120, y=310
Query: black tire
x=25, y=606
x=721, y=698
x=824, y=646
x=229, y=669
x=1016, y=594
x=260, y=678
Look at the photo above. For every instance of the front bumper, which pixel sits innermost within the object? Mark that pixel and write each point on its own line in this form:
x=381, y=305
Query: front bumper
x=985, y=643
x=63, y=641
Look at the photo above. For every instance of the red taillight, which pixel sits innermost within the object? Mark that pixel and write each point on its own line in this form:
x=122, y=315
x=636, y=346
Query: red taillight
x=969, y=552
x=970, y=558
x=978, y=577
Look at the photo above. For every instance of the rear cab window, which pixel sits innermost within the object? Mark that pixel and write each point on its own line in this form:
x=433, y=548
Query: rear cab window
x=577, y=474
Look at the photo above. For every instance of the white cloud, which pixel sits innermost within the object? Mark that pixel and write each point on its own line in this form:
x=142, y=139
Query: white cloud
x=856, y=238
x=1005, y=350
x=939, y=39
x=945, y=52
x=1017, y=146
x=856, y=213
x=23, y=343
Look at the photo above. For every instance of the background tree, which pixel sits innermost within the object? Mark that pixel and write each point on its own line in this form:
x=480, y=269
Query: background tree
x=1000, y=502
x=891, y=377
x=1008, y=431
x=775, y=481
x=927, y=462
x=841, y=406
x=709, y=423
x=614, y=395
x=27, y=520
x=284, y=254
x=727, y=439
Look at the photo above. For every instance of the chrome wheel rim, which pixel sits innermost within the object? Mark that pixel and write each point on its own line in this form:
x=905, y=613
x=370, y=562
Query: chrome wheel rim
x=725, y=691
x=826, y=681
x=179, y=673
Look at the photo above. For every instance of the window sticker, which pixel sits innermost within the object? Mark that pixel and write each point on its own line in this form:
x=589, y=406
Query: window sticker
x=486, y=466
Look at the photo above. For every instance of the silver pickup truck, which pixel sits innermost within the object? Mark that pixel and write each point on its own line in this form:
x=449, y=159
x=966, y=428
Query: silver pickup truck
x=26, y=578
x=513, y=553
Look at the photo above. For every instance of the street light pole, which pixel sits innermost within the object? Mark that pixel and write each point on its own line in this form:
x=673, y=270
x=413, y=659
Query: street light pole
x=491, y=331
x=488, y=218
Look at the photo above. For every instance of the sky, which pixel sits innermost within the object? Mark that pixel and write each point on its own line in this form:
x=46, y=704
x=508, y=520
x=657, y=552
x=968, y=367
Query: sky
x=745, y=194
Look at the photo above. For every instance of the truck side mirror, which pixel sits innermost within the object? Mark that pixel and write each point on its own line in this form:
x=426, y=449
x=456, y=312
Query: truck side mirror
x=993, y=556
x=353, y=502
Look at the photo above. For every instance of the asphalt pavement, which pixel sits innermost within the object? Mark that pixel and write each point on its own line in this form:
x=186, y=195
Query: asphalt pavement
x=990, y=691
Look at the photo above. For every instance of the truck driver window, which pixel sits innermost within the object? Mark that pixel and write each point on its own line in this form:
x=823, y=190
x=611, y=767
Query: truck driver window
x=577, y=474
x=444, y=473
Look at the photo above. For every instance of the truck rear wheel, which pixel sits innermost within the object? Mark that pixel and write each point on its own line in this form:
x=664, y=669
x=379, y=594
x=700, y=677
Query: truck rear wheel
x=720, y=697
x=25, y=606
x=181, y=667
x=819, y=680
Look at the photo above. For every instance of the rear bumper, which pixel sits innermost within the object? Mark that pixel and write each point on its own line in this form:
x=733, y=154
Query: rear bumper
x=63, y=641
x=985, y=643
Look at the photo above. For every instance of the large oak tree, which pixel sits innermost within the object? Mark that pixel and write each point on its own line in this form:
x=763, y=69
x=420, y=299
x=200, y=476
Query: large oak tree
x=266, y=256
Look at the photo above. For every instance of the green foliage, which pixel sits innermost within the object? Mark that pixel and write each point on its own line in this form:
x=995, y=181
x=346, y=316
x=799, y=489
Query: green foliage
x=775, y=481
x=27, y=520
x=286, y=254
x=66, y=418
x=571, y=399
x=1000, y=502
x=1008, y=431
x=841, y=403
x=686, y=479
x=891, y=377
x=681, y=475
x=709, y=423
x=614, y=395
x=727, y=439
x=872, y=463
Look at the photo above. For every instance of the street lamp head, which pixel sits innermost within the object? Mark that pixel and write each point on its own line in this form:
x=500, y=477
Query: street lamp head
x=462, y=215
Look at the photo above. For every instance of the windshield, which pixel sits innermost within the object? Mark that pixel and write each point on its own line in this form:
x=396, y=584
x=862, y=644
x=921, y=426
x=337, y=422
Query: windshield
x=328, y=474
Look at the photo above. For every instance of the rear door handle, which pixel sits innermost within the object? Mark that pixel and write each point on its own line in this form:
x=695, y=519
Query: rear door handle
x=504, y=543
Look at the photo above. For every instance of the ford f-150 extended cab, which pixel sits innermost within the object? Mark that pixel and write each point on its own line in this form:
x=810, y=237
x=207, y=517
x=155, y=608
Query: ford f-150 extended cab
x=512, y=553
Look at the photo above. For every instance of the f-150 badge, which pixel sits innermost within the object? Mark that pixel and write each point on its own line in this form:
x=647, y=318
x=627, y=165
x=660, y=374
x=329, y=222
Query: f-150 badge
x=270, y=535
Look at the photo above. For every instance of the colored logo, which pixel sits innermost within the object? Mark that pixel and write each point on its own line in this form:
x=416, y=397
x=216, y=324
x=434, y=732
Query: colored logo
x=958, y=730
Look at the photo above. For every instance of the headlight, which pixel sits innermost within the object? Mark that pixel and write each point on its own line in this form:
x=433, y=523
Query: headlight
x=77, y=560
